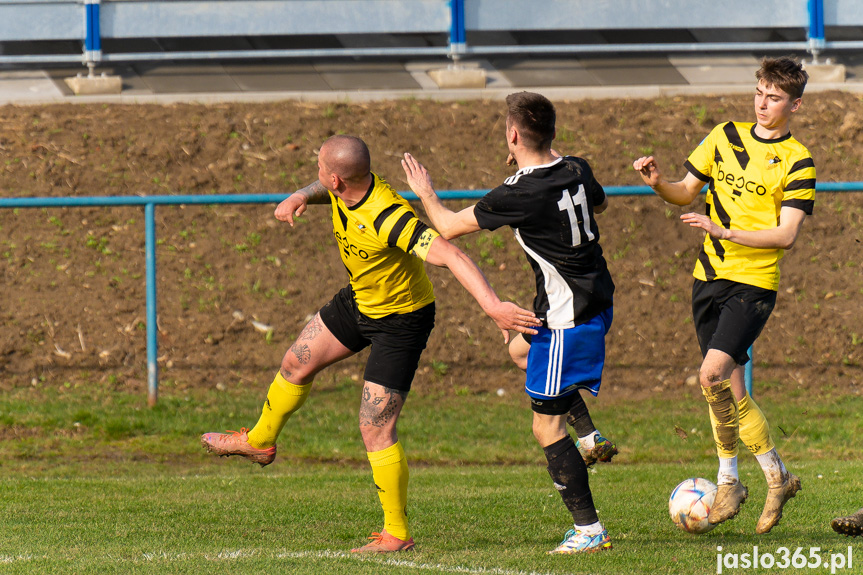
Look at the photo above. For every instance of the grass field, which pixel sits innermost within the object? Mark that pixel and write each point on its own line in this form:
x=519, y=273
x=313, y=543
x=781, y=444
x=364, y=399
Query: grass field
x=92, y=481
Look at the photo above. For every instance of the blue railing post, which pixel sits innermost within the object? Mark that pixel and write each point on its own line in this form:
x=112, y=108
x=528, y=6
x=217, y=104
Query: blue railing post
x=747, y=372
x=93, y=34
x=152, y=324
x=457, y=35
x=816, y=29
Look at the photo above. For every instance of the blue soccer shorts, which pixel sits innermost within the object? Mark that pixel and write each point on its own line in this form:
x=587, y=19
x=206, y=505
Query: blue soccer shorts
x=561, y=361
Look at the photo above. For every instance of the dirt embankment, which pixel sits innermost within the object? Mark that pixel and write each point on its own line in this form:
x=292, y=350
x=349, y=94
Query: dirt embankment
x=73, y=303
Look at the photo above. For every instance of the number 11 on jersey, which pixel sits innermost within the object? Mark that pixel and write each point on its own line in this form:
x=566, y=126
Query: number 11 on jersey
x=579, y=227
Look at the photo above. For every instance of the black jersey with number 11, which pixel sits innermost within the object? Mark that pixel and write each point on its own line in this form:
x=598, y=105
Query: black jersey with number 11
x=550, y=209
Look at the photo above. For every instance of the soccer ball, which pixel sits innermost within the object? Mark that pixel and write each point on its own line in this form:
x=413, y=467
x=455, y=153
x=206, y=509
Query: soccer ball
x=690, y=503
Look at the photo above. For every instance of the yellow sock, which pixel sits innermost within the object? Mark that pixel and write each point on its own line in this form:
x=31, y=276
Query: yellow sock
x=390, y=473
x=723, y=417
x=283, y=399
x=754, y=431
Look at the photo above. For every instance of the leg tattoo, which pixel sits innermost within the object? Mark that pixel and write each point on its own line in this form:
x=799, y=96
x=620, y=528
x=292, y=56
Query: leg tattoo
x=379, y=411
x=303, y=353
x=312, y=329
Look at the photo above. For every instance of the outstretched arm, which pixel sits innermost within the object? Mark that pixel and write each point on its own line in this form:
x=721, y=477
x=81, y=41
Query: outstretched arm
x=782, y=236
x=448, y=224
x=679, y=193
x=506, y=315
x=295, y=204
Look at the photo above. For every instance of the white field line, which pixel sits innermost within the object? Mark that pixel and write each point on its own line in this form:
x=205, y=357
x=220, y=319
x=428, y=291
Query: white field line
x=340, y=555
x=436, y=567
x=168, y=557
x=11, y=559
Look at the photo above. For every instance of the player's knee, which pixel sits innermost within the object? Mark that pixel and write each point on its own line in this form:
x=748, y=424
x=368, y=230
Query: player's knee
x=709, y=377
x=545, y=433
x=294, y=370
x=538, y=432
x=376, y=436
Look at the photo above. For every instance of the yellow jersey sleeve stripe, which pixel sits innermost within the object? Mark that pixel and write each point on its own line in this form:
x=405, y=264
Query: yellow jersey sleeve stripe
x=391, y=221
x=801, y=164
x=398, y=228
x=807, y=206
x=382, y=217
x=806, y=184
x=695, y=171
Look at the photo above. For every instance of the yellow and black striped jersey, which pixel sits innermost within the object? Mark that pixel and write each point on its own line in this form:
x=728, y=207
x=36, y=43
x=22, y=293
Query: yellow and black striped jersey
x=749, y=180
x=383, y=245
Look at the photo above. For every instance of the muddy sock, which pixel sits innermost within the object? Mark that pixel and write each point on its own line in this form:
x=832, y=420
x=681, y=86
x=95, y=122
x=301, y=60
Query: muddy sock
x=773, y=468
x=587, y=441
x=727, y=471
x=569, y=473
x=579, y=418
x=724, y=417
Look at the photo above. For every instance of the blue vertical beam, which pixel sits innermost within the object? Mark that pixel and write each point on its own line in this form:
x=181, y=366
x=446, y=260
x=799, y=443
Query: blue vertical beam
x=816, y=28
x=457, y=35
x=93, y=33
x=747, y=372
x=152, y=326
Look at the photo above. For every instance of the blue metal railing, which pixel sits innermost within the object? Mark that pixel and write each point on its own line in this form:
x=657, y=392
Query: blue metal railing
x=815, y=44
x=150, y=203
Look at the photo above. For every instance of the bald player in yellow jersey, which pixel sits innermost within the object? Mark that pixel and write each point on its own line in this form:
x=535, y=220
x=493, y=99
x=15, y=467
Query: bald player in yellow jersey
x=388, y=305
x=761, y=186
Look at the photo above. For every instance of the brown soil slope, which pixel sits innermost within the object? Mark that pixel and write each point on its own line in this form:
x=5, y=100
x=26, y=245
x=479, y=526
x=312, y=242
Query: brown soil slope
x=73, y=301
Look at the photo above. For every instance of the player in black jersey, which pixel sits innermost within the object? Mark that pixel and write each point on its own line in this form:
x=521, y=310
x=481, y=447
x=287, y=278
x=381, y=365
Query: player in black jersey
x=549, y=203
x=388, y=306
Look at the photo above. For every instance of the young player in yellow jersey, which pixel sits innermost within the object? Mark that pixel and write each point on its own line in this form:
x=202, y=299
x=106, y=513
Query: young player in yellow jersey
x=761, y=186
x=388, y=305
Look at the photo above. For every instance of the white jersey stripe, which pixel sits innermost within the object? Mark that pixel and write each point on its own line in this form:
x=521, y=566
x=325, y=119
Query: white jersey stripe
x=513, y=179
x=560, y=298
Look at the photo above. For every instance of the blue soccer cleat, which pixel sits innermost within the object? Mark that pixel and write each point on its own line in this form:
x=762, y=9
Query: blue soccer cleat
x=576, y=541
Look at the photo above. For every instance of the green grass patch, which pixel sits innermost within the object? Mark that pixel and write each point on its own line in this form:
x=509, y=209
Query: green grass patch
x=93, y=481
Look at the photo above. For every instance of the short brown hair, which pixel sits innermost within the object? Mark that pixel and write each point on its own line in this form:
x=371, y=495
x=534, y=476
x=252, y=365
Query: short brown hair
x=785, y=73
x=534, y=115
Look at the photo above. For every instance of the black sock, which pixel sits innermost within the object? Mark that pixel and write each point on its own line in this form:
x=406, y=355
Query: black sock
x=569, y=473
x=579, y=417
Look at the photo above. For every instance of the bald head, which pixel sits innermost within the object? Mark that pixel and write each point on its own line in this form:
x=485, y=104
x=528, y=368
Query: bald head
x=347, y=157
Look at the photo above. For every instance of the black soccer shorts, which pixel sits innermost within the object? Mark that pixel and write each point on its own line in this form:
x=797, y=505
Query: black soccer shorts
x=397, y=340
x=729, y=316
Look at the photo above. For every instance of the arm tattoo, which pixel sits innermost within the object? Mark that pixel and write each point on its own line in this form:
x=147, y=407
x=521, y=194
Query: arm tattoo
x=315, y=193
x=303, y=353
x=312, y=329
